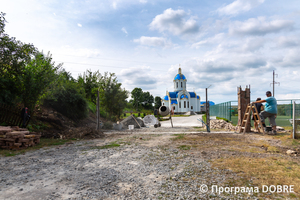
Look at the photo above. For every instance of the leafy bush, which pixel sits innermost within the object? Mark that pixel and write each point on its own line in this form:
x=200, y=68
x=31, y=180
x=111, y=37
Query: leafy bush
x=92, y=107
x=107, y=125
x=68, y=101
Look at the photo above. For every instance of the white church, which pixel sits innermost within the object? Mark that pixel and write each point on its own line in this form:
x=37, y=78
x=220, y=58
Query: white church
x=181, y=100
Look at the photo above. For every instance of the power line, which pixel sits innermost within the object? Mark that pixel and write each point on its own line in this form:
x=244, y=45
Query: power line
x=114, y=59
x=104, y=66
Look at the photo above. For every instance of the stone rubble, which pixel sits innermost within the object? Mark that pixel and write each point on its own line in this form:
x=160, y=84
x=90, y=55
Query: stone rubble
x=221, y=124
x=150, y=120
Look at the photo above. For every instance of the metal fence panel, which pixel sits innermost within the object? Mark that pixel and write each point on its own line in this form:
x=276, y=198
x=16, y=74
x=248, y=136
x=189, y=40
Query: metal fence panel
x=221, y=110
x=296, y=119
x=228, y=110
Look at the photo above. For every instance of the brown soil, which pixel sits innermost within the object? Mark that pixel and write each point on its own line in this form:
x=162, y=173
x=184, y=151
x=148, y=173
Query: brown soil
x=52, y=124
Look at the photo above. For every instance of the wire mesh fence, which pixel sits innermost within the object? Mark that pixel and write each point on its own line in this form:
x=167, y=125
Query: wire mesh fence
x=229, y=111
x=295, y=121
x=221, y=110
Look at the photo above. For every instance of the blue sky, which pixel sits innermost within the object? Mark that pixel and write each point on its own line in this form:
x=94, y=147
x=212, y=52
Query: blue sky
x=224, y=44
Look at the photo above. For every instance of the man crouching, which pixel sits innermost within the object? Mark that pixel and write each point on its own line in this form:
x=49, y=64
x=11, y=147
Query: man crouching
x=269, y=112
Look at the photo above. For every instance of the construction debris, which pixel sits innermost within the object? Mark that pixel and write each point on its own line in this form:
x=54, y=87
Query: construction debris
x=291, y=152
x=221, y=124
x=17, y=138
x=132, y=120
x=150, y=120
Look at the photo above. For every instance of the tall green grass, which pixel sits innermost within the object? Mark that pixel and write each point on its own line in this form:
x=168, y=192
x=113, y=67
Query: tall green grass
x=280, y=121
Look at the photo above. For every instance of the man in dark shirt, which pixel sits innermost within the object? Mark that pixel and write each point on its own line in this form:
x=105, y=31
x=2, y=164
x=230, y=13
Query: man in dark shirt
x=259, y=108
x=25, y=116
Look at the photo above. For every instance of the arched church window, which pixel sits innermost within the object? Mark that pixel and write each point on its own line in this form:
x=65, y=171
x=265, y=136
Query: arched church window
x=181, y=84
x=177, y=84
x=179, y=104
x=188, y=104
x=173, y=107
x=192, y=107
x=184, y=104
x=163, y=104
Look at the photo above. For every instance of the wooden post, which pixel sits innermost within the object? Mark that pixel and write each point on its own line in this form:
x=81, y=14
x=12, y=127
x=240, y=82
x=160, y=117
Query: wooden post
x=294, y=124
x=171, y=120
x=98, y=111
x=243, y=101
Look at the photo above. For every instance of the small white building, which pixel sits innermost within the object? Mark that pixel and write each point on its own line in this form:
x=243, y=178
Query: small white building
x=181, y=101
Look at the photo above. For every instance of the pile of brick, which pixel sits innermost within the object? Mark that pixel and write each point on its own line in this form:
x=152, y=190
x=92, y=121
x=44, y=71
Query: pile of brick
x=17, y=138
x=221, y=124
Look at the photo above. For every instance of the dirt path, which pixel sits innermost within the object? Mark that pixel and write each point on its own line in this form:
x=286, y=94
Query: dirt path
x=141, y=164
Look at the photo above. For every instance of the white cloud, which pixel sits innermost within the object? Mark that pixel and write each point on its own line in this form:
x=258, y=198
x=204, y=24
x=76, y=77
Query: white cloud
x=143, y=1
x=259, y=26
x=114, y=5
x=288, y=41
x=239, y=6
x=79, y=25
x=174, y=22
x=124, y=31
x=209, y=41
x=253, y=44
x=139, y=76
x=153, y=41
x=292, y=58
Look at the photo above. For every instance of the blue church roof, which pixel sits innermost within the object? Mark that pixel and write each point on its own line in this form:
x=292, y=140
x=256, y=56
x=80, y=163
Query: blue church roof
x=211, y=103
x=179, y=76
x=198, y=97
x=192, y=94
x=174, y=102
x=173, y=94
x=166, y=98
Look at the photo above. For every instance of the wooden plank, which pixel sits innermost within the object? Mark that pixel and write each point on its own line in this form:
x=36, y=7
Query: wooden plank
x=9, y=139
x=29, y=136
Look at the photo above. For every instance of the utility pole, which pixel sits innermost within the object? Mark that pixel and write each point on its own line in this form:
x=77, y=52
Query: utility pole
x=274, y=82
x=207, y=111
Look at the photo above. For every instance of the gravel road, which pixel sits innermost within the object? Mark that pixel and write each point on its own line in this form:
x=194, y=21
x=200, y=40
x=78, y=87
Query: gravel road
x=145, y=166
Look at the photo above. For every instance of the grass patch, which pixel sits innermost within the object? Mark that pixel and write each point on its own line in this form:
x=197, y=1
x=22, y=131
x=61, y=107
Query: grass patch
x=282, y=121
x=44, y=142
x=180, y=115
x=37, y=126
x=178, y=136
x=263, y=171
x=226, y=120
x=107, y=146
x=184, y=147
x=287, y=140
x=272, y=149
x=199, y=128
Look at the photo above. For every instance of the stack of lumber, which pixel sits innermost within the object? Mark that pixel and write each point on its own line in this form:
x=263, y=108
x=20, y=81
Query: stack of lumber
x=17, y=138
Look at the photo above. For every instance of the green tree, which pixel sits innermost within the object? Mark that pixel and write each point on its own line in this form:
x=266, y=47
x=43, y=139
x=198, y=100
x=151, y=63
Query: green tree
x=148, y=100
x=35, y=78
x=137, y=96
x=66, y=96
x=14, y=55
x=90, y=81
x=112, y=96
x=157, y=102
